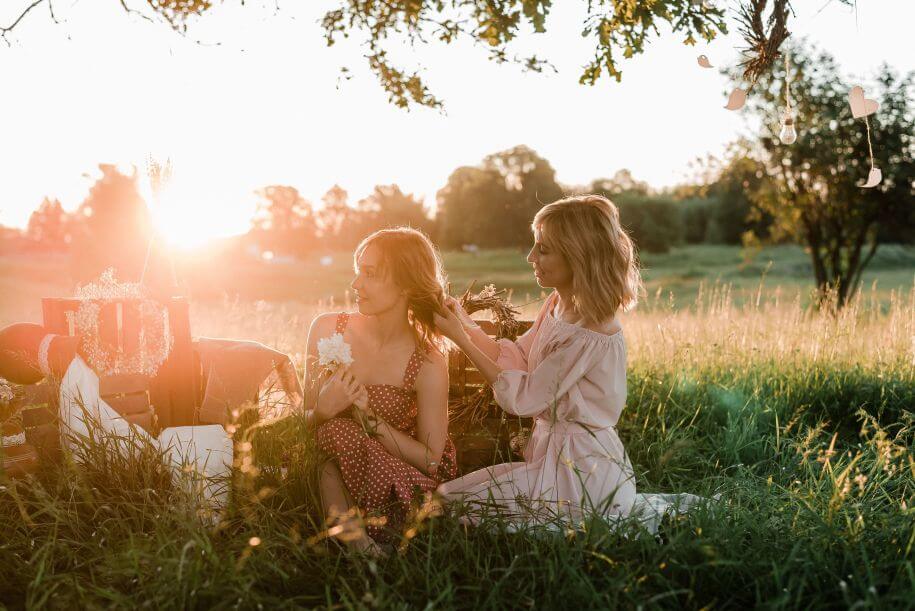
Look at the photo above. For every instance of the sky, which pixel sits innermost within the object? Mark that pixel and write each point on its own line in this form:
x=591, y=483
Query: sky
x=266, y=105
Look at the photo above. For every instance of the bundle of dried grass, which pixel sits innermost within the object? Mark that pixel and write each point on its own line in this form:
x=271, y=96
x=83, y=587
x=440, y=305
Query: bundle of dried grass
x=763, y=40
x=471, y=411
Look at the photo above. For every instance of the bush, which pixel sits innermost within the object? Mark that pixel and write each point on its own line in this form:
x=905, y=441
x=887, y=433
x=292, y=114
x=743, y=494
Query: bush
x=654, y=222
x=696, y=214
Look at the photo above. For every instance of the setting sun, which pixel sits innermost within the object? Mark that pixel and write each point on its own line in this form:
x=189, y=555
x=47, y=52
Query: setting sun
x=187, y=214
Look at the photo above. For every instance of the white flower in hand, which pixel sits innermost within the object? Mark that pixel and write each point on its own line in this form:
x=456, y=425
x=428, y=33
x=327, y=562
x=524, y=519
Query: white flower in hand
x=334, y=353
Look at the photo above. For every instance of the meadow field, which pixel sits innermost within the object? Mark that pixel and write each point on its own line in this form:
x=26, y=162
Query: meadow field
x=673, y=280
x=802, y=423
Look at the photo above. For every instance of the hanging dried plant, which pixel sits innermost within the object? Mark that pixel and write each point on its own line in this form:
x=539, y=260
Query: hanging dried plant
x=764, y=36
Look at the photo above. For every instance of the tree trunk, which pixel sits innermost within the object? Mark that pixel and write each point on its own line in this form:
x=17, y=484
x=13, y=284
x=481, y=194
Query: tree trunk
x=817, y=259
x=856, y=275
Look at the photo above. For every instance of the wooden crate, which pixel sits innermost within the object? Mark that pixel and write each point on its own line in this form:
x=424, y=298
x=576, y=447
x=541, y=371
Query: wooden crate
x=172, y=394
x=488, y=442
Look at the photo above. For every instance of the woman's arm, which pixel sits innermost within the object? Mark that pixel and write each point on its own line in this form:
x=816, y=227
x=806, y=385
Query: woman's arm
x=521, y=392
x=478, y=336
x=450, y=325
x=425, y=451
x=507, y=354
x=325, y=396
x=484, y=342
x=312, y=379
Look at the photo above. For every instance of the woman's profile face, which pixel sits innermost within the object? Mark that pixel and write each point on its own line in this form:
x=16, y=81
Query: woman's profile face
x=373, y=288
x=550, y=267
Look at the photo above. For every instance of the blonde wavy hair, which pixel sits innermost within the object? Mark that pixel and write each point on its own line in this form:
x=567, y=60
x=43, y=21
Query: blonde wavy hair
x=415, y=266
x=586, y=231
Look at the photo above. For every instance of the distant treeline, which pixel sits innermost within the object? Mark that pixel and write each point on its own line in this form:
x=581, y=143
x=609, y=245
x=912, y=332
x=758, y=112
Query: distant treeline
x=485, y=206
x=489, y=205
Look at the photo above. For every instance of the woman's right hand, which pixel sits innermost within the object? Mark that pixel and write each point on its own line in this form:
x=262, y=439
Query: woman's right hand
x=339, y=392
x=450, y=325
x=455, y=306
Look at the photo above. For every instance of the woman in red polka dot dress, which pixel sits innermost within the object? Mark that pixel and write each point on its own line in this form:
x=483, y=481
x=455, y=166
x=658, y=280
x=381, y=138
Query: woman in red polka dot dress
x=397, y=384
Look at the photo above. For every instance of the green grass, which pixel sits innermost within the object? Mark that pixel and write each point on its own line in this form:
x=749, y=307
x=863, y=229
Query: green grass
x=803, y=424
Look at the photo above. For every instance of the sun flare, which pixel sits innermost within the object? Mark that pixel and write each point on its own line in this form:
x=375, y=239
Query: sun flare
x=186, y=215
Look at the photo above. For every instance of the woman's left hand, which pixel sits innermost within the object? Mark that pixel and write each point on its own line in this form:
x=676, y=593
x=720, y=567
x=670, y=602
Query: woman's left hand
x=365, y=415
x=361, y=401
x=449, y=325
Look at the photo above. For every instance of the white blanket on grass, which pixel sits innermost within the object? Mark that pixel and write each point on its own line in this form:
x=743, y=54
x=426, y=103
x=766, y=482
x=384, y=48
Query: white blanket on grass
x=200, y=457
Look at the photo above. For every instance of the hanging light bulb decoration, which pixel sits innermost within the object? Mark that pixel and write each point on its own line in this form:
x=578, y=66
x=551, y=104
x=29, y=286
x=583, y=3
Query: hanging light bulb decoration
x=788, y=132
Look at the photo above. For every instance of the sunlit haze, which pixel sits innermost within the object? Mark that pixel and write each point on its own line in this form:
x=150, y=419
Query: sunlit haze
x=267, y=105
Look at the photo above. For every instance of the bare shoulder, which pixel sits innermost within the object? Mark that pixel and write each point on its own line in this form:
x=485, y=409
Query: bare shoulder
x=323, y=321
x=322, y=325
x=434, y=370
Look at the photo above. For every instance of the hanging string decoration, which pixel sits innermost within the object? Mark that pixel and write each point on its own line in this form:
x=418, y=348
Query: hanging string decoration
x=861, y=107
x=737, y=99
x=788, y=132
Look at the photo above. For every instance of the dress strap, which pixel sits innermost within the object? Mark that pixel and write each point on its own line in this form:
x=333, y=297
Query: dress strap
x=342, y=319
x=413, y=366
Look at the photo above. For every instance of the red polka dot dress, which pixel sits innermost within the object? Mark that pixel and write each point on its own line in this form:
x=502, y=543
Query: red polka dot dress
x=381, y=484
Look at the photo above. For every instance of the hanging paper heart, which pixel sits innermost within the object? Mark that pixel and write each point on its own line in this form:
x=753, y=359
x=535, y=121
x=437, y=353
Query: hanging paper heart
x=873, y=179
x=737, y=99
x=861, y=106
x=704, y=62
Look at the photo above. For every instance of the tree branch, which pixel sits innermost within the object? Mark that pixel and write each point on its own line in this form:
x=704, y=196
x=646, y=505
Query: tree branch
x=6, y=30
x=133, y=11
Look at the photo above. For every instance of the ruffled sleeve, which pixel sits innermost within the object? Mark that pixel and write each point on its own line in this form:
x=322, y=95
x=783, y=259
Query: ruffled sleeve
x=514, y=354
x=524, y=393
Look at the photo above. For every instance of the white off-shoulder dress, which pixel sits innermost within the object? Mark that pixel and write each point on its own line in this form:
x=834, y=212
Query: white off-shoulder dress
x=573, y=382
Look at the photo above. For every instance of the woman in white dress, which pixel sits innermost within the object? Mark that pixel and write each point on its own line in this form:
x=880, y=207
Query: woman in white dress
x=568, y=372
